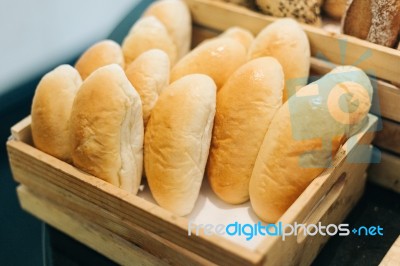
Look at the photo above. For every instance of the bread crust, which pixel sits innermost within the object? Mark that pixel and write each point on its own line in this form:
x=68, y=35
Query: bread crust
x=177, y=142
x=304, y=136
x=246, y=105
x=286, y=41
x=107, y=128
x=217, y=58
x=51, y=110
x=100, y=54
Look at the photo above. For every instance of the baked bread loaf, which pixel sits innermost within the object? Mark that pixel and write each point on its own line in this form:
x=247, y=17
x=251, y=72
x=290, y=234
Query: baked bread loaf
x=100, y=54
x=305, y=11
x=380, y=21
x=177, y=142
x=51, y=110
x=335, y=8
x=286, y=41
x=246, y=105
x=175, y=16
x=149, y=75
x=304, y=135
x=148, y=33
x=107, y=128
x=217, y=58
x=244, y=36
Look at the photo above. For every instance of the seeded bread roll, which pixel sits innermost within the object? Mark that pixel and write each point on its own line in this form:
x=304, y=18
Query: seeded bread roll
x=217, y=58
x=51, y=110
x=286, y=41
x=244, y=36
x=305, y=11
x=380, y=21
x=149, y=75
x=100, y=54
x=107, y=128
x=246, y=105
x=304, y=135
x=175, y=16
x=177, y=142
x=148, y=33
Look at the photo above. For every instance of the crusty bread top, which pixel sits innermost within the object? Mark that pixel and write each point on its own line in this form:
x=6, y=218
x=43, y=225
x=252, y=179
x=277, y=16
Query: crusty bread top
x=286, y=41
x=51, y=110
x=244, y=36
x=217, y=58
x=177, y=141
x=148, y=33
x=100, y=54
x=303, y=137
x=107, y=128
x=246, y=105
x=175, y=16
x=149, y=75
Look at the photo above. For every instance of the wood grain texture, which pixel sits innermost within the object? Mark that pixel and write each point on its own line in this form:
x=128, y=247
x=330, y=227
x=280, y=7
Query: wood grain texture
x=387, y=172
x=96, y=237
x=389, y=137
x=337, y=48
x=163, y=234
x=392, y=257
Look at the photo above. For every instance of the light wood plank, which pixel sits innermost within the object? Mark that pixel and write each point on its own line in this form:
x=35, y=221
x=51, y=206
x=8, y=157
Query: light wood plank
x=97, y=238
x=389, y=137
x=22, y=130
x=392, y=257
x=383, y=61
x=387, y=172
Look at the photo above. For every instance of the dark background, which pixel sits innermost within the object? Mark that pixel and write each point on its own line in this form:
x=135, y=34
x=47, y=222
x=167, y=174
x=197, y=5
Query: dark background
x=25, y=240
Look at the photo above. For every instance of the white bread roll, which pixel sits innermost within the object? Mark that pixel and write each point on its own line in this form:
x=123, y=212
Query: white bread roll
x=217, y=58
x=107, y=128
x=177, y=142
x=51, y=110
x=246, y=105
x=175, y=16
x=149, y=75
x=244, y=36
x=148, y=33
x=100, y=54
x=304, y=135
x=287, y=42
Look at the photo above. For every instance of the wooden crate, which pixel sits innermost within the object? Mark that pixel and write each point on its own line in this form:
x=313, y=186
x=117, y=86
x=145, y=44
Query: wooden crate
x=98, y=213
x=382, y=63
x=128, y=228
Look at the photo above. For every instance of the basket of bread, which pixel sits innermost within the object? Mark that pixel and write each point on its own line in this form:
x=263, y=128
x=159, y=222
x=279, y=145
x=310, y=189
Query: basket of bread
x=206, y=124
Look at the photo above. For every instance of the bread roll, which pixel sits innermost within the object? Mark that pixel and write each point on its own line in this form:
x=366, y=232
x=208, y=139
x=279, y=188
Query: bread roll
x=286, y=41
x=149, y=75
x=303, y=137
x=107, y=128
x=305, y=11
x=246, y=105
x=380, y=21
x=51, y=110
x=148, y=33
x=217, y=58
x=100, y=54
x=335, y=8
x=175, y=16
x=244, y=36
x=177, y=142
